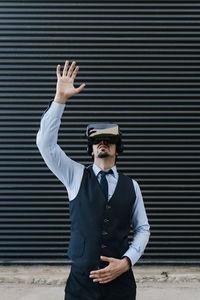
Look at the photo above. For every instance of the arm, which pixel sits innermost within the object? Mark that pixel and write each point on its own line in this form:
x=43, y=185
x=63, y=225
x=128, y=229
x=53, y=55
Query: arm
x=140, y=226
x=55, y=158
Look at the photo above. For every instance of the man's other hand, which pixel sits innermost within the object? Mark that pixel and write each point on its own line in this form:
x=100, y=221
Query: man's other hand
x=115, y=268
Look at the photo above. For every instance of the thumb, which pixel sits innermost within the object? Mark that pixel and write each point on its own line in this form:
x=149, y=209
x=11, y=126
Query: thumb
x=80, y=88
x=105, y=258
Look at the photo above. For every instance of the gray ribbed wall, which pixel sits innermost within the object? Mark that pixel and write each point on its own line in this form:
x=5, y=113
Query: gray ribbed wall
x=141, y=63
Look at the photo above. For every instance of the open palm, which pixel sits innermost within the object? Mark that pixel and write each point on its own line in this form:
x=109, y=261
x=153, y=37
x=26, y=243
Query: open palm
x=65, y=82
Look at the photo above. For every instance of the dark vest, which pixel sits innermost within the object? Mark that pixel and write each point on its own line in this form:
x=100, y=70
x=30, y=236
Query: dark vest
x=99, y=227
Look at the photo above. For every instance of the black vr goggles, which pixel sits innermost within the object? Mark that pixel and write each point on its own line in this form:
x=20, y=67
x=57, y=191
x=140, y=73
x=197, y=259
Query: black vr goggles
x=97, y=132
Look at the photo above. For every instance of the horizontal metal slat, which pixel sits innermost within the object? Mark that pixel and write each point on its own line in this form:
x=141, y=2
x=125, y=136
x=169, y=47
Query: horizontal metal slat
x=159, y=116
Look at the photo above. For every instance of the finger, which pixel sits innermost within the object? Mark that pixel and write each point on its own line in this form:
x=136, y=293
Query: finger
x=65, y=67
x=102, y=280
x=58, y=71
x=100, y=273
x=75, y=72
x=71, y=69
x=105, y=258
x=105, y=281
x=80, y=88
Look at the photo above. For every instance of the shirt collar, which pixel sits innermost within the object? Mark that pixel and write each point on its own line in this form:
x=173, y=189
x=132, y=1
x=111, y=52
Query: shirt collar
x=96, y=170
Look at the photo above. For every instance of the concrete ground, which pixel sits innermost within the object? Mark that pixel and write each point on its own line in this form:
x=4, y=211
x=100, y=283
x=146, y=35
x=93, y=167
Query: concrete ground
x=47, y=282
x=155, y=291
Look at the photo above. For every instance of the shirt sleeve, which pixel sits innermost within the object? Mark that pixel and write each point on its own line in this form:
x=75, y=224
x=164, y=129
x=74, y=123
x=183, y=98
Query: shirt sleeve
x=141, y=228
x=68, y=171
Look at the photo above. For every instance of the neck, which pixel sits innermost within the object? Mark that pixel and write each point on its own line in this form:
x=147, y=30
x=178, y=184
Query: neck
x=104, y=164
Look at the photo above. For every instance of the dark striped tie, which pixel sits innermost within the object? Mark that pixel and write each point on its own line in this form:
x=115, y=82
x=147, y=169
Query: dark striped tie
x=104, y=182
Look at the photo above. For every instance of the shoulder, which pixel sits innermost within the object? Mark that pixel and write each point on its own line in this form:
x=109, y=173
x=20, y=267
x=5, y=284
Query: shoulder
x=135, y=183
x=137, y=188
x=132, y=181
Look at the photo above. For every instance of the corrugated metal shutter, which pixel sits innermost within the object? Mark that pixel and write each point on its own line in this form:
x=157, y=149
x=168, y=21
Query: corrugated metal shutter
x=141, y=63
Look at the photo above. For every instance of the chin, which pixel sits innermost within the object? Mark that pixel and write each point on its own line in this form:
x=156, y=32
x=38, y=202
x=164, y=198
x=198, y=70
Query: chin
x=103, y=155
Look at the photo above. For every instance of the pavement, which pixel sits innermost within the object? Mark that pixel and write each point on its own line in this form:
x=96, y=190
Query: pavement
x=48, y=282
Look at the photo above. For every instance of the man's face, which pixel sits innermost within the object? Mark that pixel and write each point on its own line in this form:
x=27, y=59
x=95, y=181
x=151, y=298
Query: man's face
x=104, y=149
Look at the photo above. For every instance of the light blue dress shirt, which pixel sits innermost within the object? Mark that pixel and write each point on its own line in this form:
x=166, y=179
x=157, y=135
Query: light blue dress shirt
x=70, y=173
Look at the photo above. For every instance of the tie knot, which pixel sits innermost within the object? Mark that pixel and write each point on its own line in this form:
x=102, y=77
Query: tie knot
x=104, y=173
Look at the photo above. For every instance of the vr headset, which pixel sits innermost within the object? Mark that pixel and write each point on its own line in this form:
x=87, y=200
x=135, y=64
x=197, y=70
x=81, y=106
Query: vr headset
x=97, y=132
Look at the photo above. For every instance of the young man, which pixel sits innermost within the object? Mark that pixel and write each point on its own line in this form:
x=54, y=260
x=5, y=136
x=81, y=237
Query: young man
x=103, y=205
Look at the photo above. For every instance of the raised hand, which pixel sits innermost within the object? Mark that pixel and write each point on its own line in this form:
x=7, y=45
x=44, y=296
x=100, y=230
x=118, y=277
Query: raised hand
x=65, y=83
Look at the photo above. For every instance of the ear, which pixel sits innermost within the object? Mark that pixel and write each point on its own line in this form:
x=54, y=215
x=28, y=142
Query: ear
x=92, y=149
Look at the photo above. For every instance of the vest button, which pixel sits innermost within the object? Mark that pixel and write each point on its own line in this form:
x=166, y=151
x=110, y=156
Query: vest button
x=108, y=206
x=106, y=220
x=103, y=246
x=104, y=232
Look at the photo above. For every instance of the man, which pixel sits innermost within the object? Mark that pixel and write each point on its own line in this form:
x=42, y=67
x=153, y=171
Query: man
x=103, y=204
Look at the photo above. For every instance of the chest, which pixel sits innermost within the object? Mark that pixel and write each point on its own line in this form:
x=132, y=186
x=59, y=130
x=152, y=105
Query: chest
x=92, y=202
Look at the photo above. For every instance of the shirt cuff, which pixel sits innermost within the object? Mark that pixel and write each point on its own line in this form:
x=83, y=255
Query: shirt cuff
x=133, y=255
x=55, y=109
x=130, y=263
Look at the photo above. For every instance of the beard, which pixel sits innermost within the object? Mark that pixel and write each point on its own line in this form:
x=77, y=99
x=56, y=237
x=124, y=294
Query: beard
x=103, y=155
